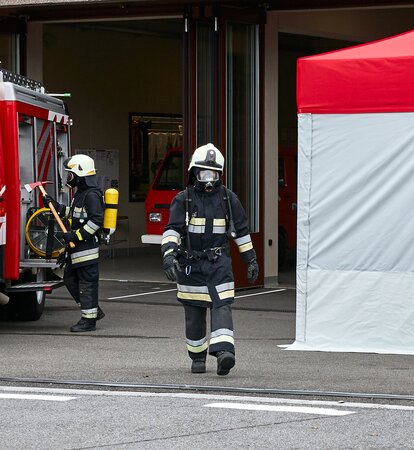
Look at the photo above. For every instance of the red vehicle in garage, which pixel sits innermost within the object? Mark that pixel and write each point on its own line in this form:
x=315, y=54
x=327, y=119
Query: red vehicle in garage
x=167, y=183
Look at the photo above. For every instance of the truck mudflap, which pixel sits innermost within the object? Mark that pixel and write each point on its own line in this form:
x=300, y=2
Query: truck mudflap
x=31, y=286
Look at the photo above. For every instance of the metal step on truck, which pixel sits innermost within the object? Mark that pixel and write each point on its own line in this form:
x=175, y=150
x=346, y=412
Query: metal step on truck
x=34, y=142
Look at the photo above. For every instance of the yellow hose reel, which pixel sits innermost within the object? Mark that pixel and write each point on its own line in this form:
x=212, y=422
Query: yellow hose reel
x=37, y=231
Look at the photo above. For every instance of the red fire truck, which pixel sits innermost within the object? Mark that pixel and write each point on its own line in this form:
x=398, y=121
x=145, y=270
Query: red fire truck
x=34, y=142
x=169, y=181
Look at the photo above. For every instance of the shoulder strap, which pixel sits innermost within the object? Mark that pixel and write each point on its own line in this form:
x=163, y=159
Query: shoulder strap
x=188, y=211
x=231, y=230
x=98, y=191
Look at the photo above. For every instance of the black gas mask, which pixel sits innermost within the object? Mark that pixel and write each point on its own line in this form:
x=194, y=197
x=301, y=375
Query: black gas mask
x=72, y=180
x=206, y=179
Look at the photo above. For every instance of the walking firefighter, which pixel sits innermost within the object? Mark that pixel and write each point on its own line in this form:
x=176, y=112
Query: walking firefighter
x=196, y=254
x=81, y=275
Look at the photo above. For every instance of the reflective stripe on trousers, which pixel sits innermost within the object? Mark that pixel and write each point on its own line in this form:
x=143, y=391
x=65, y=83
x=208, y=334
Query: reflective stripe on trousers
x=221, y=336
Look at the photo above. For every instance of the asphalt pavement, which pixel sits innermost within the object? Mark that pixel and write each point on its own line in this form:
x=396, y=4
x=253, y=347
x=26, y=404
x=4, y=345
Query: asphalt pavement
x=128, y=385
x=141, y=342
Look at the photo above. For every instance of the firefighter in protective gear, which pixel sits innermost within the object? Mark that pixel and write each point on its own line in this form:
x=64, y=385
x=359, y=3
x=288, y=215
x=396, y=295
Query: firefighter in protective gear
x=81, y=274
x=195, y=249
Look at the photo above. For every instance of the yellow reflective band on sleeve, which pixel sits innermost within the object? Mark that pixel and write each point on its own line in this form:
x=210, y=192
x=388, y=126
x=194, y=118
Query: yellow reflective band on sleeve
x=198, y=349
x=88, y=229
x=194, y=296
x=245, y=247
x=226, y=294
x=78, y=234
x=222, y=338
x=219, y=222
x=169, y=239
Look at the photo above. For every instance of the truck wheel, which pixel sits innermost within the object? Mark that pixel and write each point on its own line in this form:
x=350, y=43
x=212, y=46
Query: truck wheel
x=282, y=250
x=32, y=306
x=25, y=305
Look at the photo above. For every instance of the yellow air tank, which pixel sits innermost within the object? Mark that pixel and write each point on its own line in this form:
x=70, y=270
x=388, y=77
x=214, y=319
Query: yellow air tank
x=111, y=210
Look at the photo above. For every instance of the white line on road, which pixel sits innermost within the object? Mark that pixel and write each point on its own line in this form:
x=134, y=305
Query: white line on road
x=208, y=397
x=171, y=290
x=142, y=293
x=278, y=408
x=260, y=293
x=49, y=398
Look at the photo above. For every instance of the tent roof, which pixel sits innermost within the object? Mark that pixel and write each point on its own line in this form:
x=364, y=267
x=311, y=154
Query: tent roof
x=374, y=77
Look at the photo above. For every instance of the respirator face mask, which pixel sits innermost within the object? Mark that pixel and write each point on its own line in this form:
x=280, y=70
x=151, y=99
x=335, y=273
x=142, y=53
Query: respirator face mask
x=72, y=180
x=207, y=178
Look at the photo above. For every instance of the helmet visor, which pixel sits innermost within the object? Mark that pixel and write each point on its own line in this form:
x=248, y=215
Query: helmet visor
x=208, y=175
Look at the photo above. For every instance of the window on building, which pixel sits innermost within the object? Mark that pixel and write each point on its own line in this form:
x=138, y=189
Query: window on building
x=243, y=116
x=9, y=52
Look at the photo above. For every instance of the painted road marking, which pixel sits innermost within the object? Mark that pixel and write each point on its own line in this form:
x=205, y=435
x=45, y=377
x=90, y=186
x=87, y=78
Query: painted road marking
x=48, y=398
x=171, y=290
x=209, y=397
x=260, y=293
x=278, y=408
x=142, y=293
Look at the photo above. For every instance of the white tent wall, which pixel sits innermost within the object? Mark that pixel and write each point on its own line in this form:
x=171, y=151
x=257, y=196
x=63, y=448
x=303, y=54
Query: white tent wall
x=355, y=265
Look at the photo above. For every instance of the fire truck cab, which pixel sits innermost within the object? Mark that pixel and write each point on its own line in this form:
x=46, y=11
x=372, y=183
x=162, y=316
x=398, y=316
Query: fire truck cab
x=167, y=183
x=34, y=142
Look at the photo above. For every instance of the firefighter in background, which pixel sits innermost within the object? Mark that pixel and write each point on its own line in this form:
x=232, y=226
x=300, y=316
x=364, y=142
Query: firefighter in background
x=81, y=274
x=196, y=254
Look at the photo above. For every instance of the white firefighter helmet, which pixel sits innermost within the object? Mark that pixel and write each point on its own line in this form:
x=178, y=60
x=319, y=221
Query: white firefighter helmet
x=81, y=165
x=207, y=157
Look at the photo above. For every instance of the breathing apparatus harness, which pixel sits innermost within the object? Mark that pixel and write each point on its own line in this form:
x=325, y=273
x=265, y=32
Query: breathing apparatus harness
x=209, y=253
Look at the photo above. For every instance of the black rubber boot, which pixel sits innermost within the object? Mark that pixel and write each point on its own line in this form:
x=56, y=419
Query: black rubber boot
x=198, y=366
x=225, y=362
x=84, y=325
x=101, y=314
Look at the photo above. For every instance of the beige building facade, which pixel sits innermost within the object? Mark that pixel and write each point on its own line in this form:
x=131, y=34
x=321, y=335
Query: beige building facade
x=120, y=59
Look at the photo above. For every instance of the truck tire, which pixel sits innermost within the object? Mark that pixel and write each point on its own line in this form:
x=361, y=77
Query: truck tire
x=26, y=305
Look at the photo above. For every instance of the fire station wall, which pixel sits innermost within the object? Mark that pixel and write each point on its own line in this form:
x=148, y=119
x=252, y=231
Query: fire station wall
x=109, y=75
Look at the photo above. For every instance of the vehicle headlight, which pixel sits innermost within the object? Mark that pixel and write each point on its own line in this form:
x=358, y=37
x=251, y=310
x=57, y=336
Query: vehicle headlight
x=155, y=217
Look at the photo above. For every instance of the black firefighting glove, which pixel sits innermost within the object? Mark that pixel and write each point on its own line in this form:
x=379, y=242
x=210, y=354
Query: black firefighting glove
x=48, y=199
x=70, y=236
x=252, y=270
x=170, y=266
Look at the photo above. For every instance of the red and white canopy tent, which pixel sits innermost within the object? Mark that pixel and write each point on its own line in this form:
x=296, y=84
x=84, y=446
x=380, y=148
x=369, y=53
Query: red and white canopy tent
x=355, y=268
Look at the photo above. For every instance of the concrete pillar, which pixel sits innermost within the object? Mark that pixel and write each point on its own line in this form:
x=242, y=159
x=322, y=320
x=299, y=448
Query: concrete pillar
x=271, y=150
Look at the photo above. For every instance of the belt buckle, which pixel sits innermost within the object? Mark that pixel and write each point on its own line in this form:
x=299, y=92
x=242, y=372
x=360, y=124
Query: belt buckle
x=217, y=251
